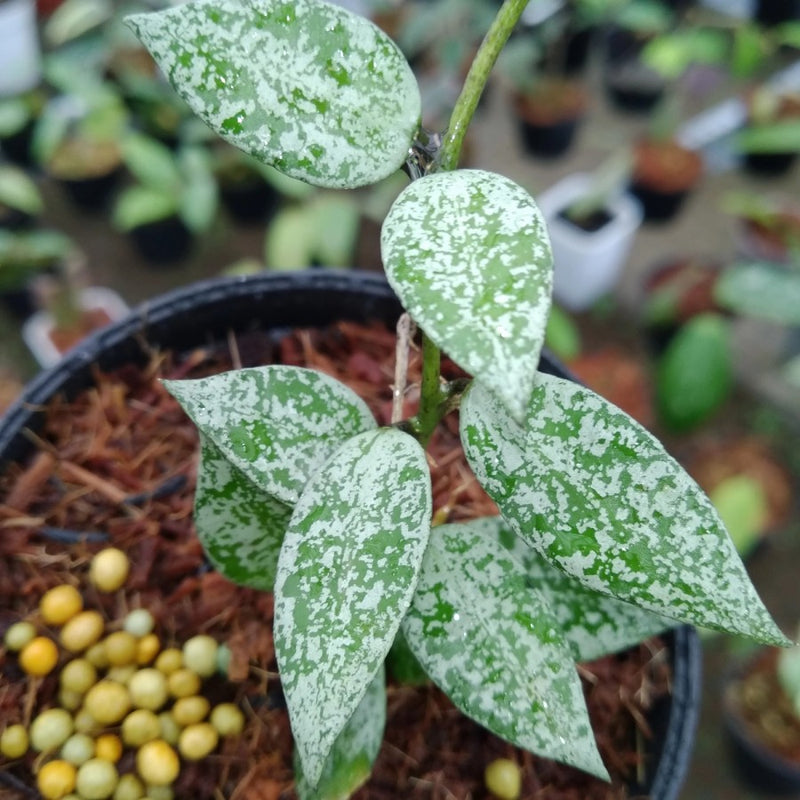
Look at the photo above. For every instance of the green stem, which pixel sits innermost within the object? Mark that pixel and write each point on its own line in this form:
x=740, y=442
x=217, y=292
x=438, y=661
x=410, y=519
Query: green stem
x=494, y=41
x=436, y=400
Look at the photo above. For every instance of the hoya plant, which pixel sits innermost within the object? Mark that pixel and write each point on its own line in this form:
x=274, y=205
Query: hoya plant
x=602, y=538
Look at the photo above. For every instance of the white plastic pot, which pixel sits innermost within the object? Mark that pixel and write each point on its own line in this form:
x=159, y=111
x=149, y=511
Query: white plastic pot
x=20, y=52
x=38, y=327
x=587, y=264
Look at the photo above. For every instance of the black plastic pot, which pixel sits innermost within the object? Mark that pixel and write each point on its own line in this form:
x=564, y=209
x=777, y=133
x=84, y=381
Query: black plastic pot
x=276, y=302
x=658, y=206
x=757, y=765
x=769, y=165
x=250, y=201
x=631, y=86
x=547, y=141
x=17, y=146
x=775, y=12
x=163, y=242
x=90, y=194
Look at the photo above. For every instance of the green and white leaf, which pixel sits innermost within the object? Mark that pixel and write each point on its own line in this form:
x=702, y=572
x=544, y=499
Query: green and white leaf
x=593, y=624
x=600, y=498
x=761, y=289
x=354, y=752
x=491, y=643
x=467, y=253
x=240, y=527
x=318, y=92
x=346, y=574
x=277, y=424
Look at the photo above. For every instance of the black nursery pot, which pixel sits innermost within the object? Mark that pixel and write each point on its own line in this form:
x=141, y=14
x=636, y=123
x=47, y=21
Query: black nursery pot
x=769, y=165
x=163, y=242
x=206, y=312
x=91, y=194
x=548, y=141
x=251, y=201
x=758, y=766
x=630, y=93
x=658, y=206
x=17, y=146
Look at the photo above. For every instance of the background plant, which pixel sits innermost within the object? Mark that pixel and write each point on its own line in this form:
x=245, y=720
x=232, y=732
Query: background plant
x=603, y=538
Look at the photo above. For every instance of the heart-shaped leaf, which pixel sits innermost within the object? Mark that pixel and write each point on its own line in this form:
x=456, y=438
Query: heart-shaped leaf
x=318, y=92
x=276, y=424
x=593, y=624
x=346, y=574
x=600, y=498
x=468, y=255
x=491, y=643
x=354, y=752
x=240, y=526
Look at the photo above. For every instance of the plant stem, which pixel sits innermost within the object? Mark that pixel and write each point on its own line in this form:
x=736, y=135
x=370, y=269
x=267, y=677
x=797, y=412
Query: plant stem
x=494, y=41
x=435, y=400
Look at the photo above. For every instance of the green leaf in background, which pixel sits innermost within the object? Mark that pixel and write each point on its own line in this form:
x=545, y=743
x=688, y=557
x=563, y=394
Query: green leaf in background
x=562, y=335
x=761, y=289
x=742, y=504
x=14, y=115
x=354, y=752
x=277, y=424
x=151, y=162
x=672, y=54
x=788, y=33
x=199, y=199
x=346, y=574
x=491, y=643
x=322, y=232
x=468, y=255
x=781, y=136
x=240, y=526
x=140, y=205
x=694, y=376
x=599, y=497
x=18, y=191
x=316, y=91
x=336, y=218
x=748, y=51
x=290, y=243
x=593, y=624
x=73, y=18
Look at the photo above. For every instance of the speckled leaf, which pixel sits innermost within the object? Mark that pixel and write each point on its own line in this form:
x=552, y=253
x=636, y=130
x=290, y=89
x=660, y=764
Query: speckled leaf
x=599, y=497
x=593, y=624
x=240, y=526
x=276, y=424
x=467, y=252
x=318, y=92
x=761, y=289
x=491, y=643
x=354, y=752
x=346, y=574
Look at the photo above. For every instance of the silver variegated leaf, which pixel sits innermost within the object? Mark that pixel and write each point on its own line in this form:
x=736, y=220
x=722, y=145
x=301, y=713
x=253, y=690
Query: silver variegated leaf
x=354, y=752
x=346, y=574
x=593, y=624
x=491, y=643
x=468, y=255
x=276, y=424
x=600, y=498
x=240, y=527
x=306, y=86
